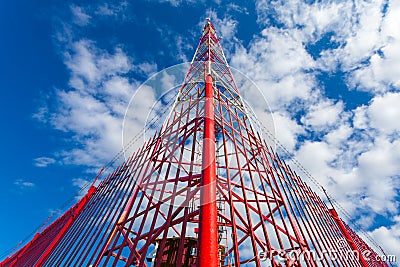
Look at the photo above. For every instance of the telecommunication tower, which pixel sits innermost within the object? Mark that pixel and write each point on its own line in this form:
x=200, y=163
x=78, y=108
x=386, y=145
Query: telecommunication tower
x=205, y=190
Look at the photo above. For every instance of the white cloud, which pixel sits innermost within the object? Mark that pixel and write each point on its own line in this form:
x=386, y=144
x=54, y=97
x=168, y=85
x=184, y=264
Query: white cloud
x=361, y=175
x=113, y=9
x=339, y=135
x=88, y=64
x=279, y=64
x=79, y=16
x=23, y=184
x=379, y=167
x=118, y=87
x=323, y=115
x=147, y=68
x=44, y=161
x=176, y=44
x=226, y=28
x=314, y=19
x=176, y=3
x=137, y=117
x=79, y=182
x=283, y=51
x=96, y=127
x=363, y=38
x=54, y=213
x=367, y=39
x=286, y=130
x=389, y=237
x=371, y=47
x=83, y=186
x=84, y=15
x=316, y=158
x=360, y=119
x=384, y=113
x=237, y=8
x=92, y=109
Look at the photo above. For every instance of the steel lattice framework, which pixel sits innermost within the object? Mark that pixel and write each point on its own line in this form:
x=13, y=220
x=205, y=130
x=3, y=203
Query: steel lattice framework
x=205, y=190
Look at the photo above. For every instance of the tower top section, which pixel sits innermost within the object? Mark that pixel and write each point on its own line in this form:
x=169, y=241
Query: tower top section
x=209, y=48
x=209, y=26
x=209, y=59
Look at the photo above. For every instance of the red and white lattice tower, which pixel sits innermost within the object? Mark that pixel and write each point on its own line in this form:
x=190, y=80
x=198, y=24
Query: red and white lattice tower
x=206, y=190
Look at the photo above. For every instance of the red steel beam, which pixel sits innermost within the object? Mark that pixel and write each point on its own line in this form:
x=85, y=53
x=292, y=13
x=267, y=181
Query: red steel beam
x=14, y=258
x=208, y=229
x=348, y=237
x=81, y=204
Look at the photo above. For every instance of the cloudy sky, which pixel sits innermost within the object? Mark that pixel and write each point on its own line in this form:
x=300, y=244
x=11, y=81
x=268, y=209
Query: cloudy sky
x=330, y=71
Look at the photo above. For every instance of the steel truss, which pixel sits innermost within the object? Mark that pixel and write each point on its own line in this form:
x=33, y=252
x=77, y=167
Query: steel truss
x=206, y=185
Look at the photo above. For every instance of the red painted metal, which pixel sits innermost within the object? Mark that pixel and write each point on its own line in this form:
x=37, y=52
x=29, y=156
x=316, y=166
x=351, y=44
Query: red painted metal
x=366, y=255
x=42, y=244
x=208, y=229
x=207, y=181
x=348, y=237
x=16, y=257
x=370, y=256
x=75, y=213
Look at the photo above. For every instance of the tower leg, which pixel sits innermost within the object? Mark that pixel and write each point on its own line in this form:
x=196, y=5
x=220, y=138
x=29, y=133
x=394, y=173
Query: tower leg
x=75, y=213
x=346, y=234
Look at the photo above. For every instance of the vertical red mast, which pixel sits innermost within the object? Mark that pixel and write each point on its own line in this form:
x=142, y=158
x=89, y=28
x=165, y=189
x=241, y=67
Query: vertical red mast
x=208, y=231
x=208, y=228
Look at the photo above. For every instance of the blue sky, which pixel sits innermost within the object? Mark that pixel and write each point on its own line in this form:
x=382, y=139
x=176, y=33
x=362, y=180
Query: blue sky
x=329, y=70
